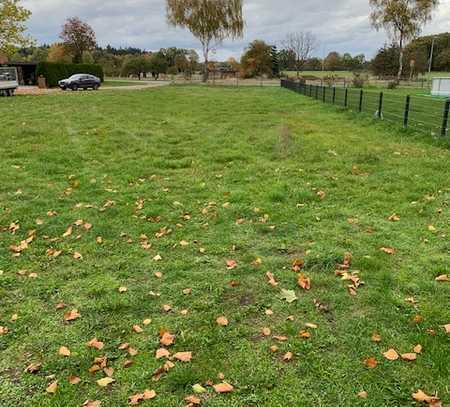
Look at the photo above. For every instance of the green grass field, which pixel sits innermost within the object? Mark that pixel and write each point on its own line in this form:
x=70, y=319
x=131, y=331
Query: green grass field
x=116, y=83
x=170, y=206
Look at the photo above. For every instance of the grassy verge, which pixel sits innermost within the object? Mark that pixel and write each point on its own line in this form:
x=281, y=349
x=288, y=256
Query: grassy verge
x=171, y=205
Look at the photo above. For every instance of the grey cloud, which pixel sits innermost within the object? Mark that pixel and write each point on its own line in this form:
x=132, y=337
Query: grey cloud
x=341, y=25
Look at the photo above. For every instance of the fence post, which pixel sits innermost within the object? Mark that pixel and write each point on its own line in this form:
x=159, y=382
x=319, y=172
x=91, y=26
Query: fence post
x=346, y=98
x=317, y=91
x=445, y=119
x=406, y=115
x=334, y=95
x=324, y=94
x=380, y=106
x=361, y=93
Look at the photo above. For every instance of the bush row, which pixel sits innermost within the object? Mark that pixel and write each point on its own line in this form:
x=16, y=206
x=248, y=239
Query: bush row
x=54, y=71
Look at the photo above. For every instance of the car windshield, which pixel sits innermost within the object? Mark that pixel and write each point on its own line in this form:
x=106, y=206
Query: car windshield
x=76, y=76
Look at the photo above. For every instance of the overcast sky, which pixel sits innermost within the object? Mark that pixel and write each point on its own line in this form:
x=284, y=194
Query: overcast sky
x=341, y=25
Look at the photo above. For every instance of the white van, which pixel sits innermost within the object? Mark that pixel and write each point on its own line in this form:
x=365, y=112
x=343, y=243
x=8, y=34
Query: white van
x=8, y=81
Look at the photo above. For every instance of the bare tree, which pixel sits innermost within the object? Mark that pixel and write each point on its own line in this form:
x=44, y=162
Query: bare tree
x=302, y=45
x=402, y=19
x=211, y=21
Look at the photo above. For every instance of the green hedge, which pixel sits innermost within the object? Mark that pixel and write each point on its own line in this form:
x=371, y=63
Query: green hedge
x=54, y=71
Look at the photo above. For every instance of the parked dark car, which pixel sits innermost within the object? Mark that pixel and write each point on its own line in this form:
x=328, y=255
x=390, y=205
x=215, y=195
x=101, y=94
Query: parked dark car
x=80, y=81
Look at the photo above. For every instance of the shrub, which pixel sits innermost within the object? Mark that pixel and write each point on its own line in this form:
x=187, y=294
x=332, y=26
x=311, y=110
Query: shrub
x=54, y=71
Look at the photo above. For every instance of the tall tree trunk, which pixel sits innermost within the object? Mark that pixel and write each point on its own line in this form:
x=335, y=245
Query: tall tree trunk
x=400, y=69
x=205, y=56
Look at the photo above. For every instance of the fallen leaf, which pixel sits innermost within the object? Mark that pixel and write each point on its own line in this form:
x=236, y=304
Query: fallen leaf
x=394, y=218
x=422, y=397
x=157, y=258
x=297, y=265
x=137, y=329
x=183, y=356
x=371, y=363
x=418, y=349
x=4, y=330
x=132, y=351
x=68, y=232
x=158, y=274
x=388, y=250
x=198, y=389
x=222, y=321
x=363, y=395
x=288, y=295
x=376, y=337
x=304, y=282
x=442, y=278
x=147, y=321
x=304, y=334
x=33, y=368
x=77, y=256
x=391, y=354
x=105, y=381
x=271, y=279
x=74, y=380
x=231, y=264
x=123, y=290
x=266, y=332
x=52, y=387
x=71, y=315
x=409, y=356
x=95, y=343
x=288, y=356
x=92, y=403
x=167, y=307
x=64, y=351
x=162, y=353
x=109, y=371
x=447, y=328
x=274, y=348
x=167, y=339
x=223, y=388
x=192, y=400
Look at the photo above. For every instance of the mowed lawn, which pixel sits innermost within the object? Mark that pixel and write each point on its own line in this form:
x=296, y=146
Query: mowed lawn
x=170, y=206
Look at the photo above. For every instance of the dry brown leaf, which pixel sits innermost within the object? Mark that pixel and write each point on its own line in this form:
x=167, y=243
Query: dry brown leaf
x=280, y=338
x=391, y=355
x=68, y=232
x=223, y=388
x=409, y=356
x=304, y=334
x=95, y=343
x=187, y=291
x=442, y=278
x=371, y=363
x=71, y=315
x=394, y=218
x=231, y=264
x=77, y=256
x=422, y=397
x=388, y=250
x=52, y=387
x=363, y=394
x=271, y=279
x=4, y=330
x=109, y=371
x=297, y=265
x=266, y=331
x=132, y=351
x=137, y=329
x=310, y=325
x=183, y=356
x=105, y=381
x=158, y=274
x=418, y=349
x=33, y=368
x=447, y=328
x=167, y=339
x=288, y=356
x=92, y=403
x=74, y=380
x=167, y=307
x=376, y=337
x=64, y=351
x=274, y=348
x=162, y=353
x=192, y=400
x=222, y=321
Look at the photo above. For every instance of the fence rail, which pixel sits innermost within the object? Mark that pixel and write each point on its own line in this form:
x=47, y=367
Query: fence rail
x=427, y=115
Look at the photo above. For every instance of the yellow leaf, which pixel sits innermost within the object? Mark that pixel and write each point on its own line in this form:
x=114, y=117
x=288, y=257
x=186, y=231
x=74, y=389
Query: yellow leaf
x=222, y=321
x=64, y=351
x=105, y=381
x=52, y=387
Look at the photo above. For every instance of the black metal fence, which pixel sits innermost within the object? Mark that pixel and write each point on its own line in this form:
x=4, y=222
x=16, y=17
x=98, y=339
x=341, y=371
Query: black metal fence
x=422, y=113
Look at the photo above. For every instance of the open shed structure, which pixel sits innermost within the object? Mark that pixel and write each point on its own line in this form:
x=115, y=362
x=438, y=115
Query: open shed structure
x=441, y=87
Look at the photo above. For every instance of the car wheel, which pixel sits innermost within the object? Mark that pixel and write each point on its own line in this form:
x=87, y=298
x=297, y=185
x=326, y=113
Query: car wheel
x=95, y=87
x=74, y=87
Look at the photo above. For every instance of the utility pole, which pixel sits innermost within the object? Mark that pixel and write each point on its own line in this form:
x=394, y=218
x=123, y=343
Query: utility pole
x=431, y=56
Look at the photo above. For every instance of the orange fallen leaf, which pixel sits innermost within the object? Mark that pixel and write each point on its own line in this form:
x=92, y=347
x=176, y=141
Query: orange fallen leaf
x=71, y=315
x=192, y=400
x=422, y=397
x=231, y=264
x=222, y=321
x=371, y=363
x=376, y=337
x=92, y=403
x=167, y=339
x=418, y=349
x=391, y=355
x=297, y=265
x=95, y=343
x=137, y=329
x=304, y=282
x=442, y=278
x=304, y=334
x=266, y=331
x=223, y=388
x=183, y=356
